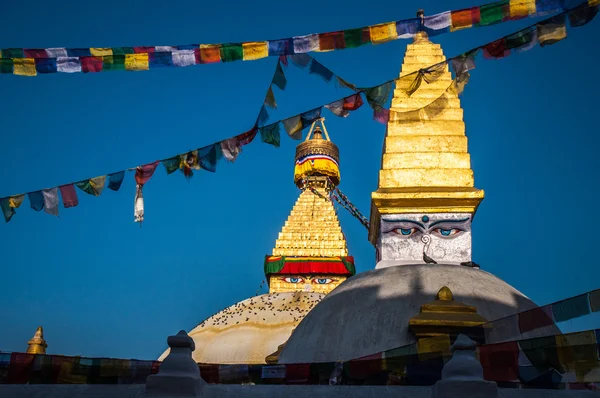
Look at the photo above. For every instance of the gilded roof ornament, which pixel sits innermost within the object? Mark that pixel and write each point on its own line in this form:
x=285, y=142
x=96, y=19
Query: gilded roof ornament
x=37, y=344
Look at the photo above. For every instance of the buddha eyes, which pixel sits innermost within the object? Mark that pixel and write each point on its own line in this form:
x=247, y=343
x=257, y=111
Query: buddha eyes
x=447, y=231
x=317, y=281
x=405, y=231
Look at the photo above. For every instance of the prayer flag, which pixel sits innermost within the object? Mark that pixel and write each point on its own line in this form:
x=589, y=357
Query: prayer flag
x=101, y=52
x=281, y=47
x=377, y=96
x=45, y=65
x=317, y=68
x=541, y=351
x=56, y=53
x=145, y=172
x=594, y=297
x=552, y=30
x=12, y=53
x=160, y=59
x=263, y=115
x=255, y=50
x=464, y=62
x=353, y=102
x=188, y=47
x=183, y=58
x=301, y=60
x=521, y=41
x=293, y=127
x=521, y=8
x=24, y=67
x=382, y=33
x=466, y=18
x=494, y=13
x=115, y=180
x=305, y=44
x=416, y=83
x=271, y=134
x=165, y=49
x=7, y=210
x=354, y=37
x=6, y=65
x=577, y=350
x=310, y=116
x=408, y=28
x=68, y=64
x=16, y=200
x=331, y=41
x=543, y=7
x=381, y=115
x=279, y=77
x=284, y=60
x=172, y=164
x=78, y=52
x=582, y=15
x=571, y=308
x=122, y=50
x=337, y=108
x=91, y=64
x=138, y=204
x=208, y=157
x=270, y=99
x=190, y=162
x=438, y=23
x=496, y=49
x=500, y=362
x=69, y=196
x=247, y=137
x=143, y=50
x=232, y=52
x=231, y=149
x=93, y=186
x=36, y=200
x=343, y=83
x=209, y=53
x=113, y=62
x=51, y=201
x=535, y=318
x=34, y=53
x=137, y=62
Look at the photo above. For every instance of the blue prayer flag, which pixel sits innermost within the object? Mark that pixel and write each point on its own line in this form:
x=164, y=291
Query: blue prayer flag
x=115, y=180
x=281, y=47
x=45, y=65
x=571, y=308
x=160, y=60
x=322, y=71
x=36, y=200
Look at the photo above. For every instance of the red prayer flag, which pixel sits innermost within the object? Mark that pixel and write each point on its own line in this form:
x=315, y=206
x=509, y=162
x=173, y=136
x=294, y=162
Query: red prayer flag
x=382, y=115
x=143, y=50
x=465, y=18
x=35, y=53
x=69, y=195
x=247, y=137
x=496, y=49
x=353, y=102
x=297, y=373
x=19, y=369
x=331, y=41
x=91, y=64
x=143, y=173
x=500, y=362
x=535, y=318
x=283, y=59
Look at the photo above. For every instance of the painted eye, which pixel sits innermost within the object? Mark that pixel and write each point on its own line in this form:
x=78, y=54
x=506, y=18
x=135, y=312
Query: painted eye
x=293, y=280
x=405, y=231
x=447, y=231
x=323, y=281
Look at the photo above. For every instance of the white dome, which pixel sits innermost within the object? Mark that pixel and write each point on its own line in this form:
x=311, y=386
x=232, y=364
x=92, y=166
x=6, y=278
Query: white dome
x=248, y=331
x=369, y=312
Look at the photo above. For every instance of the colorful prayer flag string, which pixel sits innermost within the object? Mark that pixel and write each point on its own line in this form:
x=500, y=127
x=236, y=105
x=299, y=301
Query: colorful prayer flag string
x=31, y=62
x=545, y=32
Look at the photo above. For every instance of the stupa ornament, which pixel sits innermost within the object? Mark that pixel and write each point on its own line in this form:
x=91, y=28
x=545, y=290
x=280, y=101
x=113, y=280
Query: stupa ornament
x=37, y=344
x=424, y=205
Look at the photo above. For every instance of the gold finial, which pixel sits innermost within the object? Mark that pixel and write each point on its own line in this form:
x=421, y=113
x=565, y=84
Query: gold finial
x=317, y=157
x=445, y=294
x=37, y=345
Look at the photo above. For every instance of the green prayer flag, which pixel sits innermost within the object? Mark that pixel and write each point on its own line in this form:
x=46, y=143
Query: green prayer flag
x=541, y=352
x=353, y=38
x=493, y=13
x=571, y=308
x=122, y=50
x=114, y=62
x=270, y=99
x=520, y=39
x=172, y=164
x=271, y=134
x=6, y=65
x=12, y=53
x=232, y=52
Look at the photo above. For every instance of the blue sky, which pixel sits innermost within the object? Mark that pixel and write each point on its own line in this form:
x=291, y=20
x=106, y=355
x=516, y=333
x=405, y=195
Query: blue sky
x=102, y=286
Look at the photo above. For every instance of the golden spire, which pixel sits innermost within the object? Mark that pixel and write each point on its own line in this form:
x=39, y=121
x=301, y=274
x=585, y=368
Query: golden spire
x=37, y=345
x=426, y=167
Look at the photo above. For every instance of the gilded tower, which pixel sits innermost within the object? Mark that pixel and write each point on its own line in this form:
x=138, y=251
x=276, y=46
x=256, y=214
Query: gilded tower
x=310, y=253
x=426, y=199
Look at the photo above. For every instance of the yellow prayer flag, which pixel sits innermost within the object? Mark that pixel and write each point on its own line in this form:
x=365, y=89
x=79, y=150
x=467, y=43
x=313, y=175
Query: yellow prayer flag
x=383, y=33
x=255, y=50
x=101, y=52
x=521, y=8
x=593, y=3
x=24, y=66
x=136, y=61
x=15, y=201
x=577, y=352
x=551, y=33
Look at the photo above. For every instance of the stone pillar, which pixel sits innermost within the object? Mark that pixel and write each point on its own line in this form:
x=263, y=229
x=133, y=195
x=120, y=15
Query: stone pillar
x=179, y=375
x=463, y=375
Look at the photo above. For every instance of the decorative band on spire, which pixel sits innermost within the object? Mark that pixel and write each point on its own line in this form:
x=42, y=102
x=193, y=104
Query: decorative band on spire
x=317, y=157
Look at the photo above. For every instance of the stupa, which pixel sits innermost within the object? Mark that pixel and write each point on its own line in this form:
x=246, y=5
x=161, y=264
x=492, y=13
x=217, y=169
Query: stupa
x=309, y=260
x=424, y=283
